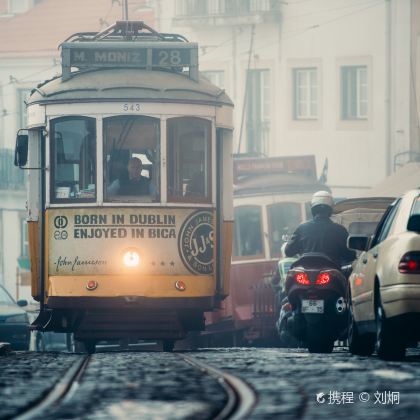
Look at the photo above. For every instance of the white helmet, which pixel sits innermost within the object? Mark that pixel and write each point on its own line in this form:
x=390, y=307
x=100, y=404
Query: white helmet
x=322, y=198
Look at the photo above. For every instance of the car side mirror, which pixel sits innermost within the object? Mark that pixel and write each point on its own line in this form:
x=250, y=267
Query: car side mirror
x=413, y=224
x=21, y=150
x=358, y=242
x=22, y=302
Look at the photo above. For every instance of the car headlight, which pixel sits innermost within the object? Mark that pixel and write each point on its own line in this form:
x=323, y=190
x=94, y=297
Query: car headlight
x=17, y=319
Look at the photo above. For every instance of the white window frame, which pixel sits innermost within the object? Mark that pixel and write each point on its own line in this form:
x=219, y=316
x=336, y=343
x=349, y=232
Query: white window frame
x=360, y=90
x=264, y=97
x=310, y=100
x=18, y=6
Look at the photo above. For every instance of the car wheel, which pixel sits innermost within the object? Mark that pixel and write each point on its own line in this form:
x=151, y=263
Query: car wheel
x=389, y=345
x=359, y=344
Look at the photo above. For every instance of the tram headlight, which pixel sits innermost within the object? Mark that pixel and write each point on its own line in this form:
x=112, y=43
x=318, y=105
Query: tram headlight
x=131, y=258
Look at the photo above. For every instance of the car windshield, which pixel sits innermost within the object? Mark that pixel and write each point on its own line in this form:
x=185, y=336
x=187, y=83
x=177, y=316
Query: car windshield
x=5, y=299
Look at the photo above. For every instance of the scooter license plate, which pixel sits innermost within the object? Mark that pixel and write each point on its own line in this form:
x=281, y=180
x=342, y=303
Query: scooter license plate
x=312, y=306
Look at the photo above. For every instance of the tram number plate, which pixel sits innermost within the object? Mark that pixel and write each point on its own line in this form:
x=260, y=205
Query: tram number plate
x=312, y=306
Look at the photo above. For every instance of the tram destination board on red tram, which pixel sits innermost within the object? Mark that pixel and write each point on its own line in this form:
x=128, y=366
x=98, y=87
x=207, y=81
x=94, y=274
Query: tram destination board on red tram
x=248, y=166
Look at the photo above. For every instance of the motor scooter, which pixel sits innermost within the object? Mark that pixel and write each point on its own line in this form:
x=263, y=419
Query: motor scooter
x=315, y=310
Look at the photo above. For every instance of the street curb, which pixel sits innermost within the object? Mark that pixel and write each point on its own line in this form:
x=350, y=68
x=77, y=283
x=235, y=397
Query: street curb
x=5, y=349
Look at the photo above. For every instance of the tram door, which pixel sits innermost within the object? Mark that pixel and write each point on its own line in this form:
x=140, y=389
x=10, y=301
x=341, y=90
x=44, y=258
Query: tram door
x=36, y=173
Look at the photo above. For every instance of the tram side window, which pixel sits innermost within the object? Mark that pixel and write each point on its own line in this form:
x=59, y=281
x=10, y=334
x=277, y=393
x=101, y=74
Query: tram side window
x=189, y=163
x=131, y=158
x=73, y=159
x=248, y=240
x=283, y=218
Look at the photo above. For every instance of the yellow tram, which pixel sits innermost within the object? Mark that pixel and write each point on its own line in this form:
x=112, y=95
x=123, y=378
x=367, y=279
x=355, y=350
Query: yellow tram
x=130, y=188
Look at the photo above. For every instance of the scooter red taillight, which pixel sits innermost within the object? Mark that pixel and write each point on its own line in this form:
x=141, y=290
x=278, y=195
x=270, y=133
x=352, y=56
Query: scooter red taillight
x=302, y=278
x=323, y=278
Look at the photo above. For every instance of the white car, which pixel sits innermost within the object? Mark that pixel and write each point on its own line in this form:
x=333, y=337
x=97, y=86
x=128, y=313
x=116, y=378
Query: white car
x=385, y=283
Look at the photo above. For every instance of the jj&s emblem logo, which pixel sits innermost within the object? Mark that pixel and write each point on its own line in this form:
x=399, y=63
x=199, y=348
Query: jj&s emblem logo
x=196, y=242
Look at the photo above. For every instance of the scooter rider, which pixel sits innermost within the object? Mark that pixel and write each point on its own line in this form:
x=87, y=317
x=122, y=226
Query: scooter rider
x=321, y=234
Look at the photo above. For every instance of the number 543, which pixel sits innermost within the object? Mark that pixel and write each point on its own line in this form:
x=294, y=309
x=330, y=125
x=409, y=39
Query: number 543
x=131, y=107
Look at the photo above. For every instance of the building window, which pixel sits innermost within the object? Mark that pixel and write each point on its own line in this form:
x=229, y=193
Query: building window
x=22, y=97
x=258, y=111
x=192, y=7
x=223, y=7
x=305, y=93
x=354, y=93
x=217, y=77
x=18, y=6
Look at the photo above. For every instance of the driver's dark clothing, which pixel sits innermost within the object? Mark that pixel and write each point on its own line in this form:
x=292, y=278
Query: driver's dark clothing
x=140, y=186
x=321, y=235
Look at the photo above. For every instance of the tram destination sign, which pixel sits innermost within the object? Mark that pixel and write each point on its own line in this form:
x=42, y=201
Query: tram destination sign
x=149, y=56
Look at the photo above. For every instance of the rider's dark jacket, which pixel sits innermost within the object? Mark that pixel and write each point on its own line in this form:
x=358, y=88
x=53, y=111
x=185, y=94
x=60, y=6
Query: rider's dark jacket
x=321, y=235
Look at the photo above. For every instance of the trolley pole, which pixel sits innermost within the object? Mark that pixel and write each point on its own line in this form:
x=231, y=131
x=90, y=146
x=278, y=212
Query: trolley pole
x=125, y=10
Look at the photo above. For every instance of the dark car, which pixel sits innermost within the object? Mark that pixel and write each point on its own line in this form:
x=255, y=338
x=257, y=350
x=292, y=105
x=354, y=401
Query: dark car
x=14, y=322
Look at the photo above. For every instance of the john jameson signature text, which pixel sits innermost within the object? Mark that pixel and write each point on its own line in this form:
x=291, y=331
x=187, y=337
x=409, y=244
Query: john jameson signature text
x=76, y=262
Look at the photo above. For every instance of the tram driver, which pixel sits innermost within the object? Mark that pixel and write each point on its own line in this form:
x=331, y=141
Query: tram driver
x=132, y=182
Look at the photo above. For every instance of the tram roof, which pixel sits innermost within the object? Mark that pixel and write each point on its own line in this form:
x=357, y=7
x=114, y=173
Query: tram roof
x=277, y=183
x=107, y=85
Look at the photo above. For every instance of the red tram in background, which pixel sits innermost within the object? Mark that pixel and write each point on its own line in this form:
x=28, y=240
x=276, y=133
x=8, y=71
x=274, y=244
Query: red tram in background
x=271, y=198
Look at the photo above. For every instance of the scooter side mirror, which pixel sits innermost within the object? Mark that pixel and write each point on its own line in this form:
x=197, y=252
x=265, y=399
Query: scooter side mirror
x=358, y=242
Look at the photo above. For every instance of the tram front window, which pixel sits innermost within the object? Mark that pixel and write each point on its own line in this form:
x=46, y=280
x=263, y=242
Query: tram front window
x=189, y=159
x=73, y=159
x=131, y=158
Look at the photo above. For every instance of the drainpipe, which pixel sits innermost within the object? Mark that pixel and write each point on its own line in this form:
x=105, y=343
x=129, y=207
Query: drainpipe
x=125, y=10
x=388, y=123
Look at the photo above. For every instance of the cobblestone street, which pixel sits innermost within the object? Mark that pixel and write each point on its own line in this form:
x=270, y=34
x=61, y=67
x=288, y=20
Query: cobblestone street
x=287, y=382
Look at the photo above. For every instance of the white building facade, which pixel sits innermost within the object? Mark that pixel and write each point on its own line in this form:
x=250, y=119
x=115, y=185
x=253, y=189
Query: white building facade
x=18, y=75
x=325, y=77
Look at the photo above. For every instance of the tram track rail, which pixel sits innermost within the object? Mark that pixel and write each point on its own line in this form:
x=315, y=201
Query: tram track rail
x=63, y=389
x=241, y=397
